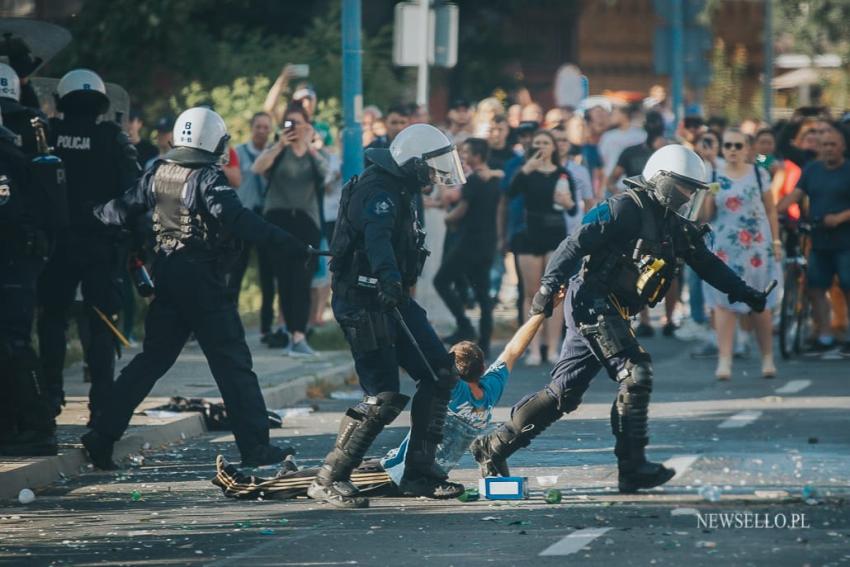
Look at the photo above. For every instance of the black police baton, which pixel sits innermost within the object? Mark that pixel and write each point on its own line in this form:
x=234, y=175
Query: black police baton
x=397, y=316
x=770, y=287
x=312, y=252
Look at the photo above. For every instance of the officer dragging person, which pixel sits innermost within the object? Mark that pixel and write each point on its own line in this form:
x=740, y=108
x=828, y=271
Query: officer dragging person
x=623, y=258
x=378, y=253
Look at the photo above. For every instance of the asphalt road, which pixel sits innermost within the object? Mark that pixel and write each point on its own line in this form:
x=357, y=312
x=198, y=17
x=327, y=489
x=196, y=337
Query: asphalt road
x=760, y=442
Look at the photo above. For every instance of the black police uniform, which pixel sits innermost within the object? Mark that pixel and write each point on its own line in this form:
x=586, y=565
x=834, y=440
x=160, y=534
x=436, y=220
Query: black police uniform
x=632, y=249
x=196, y=217
x=100, y=163
x=31, y=214
x=378, y=252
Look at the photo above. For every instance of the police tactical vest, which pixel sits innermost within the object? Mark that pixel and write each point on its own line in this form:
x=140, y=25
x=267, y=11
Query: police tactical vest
x=350, y=265
x=643, y=276
x=174, y=225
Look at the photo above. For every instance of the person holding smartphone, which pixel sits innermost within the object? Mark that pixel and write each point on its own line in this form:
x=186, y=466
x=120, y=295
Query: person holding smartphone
x=294, y=202
x=548, y=191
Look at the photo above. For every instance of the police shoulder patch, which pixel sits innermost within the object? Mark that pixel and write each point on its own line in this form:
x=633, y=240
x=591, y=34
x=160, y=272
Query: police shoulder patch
x=380, y=205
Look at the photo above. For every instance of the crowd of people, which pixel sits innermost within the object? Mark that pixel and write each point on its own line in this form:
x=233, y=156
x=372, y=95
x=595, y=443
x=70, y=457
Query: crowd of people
x=532, y=178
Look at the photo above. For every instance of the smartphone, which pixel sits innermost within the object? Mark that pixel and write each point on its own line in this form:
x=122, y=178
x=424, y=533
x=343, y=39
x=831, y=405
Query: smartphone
x=531, y=153
x=288, y=126
x=300, y=71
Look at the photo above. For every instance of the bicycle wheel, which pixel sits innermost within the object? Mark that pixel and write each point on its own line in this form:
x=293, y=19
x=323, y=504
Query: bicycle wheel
x=788, y=328
x=803, y=317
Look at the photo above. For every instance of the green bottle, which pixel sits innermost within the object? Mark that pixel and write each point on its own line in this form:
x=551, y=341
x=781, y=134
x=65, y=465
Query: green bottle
x=552, y=496
x=469, y=495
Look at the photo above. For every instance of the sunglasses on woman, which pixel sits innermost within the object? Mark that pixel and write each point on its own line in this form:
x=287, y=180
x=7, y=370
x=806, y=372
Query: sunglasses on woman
x=707, y=142
x=730, y=145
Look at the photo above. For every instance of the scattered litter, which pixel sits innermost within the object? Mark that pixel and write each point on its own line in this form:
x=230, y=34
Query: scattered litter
x=469, y=495
x=160, y=413
x=520, y=523
x=813, y=440
x=283, y=522
x=26, y=496
x=809, y=491
x=772, y=494
x=292, y=412
x=812, y=501
x=552, y=496
x=684, y=512
x=490, y=518
x=135, y=496
x=709, y=492
x=707, y=544
x=136, y=461
x=146, y=446
x=346, y=394
x=550, y=480
x=267, y=531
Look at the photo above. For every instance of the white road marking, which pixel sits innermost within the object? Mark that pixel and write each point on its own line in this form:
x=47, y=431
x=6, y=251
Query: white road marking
x=680, y=463
x=794, y=386
x=741, y=419
x=574, y=542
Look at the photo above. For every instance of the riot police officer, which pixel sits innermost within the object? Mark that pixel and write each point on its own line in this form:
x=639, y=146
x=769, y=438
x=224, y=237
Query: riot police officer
x=378, y=253
x=100, y=163
x=630, y=249
x=32, y=211
x=17, y=116
x=197, y=217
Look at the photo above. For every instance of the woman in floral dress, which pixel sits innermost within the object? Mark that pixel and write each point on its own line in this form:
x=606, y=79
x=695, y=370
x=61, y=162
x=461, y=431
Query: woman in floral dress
x=746, y=238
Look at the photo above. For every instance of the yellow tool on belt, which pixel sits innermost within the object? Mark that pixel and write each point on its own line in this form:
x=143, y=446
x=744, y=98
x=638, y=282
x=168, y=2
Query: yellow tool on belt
x=112, y=327
x=651, y=280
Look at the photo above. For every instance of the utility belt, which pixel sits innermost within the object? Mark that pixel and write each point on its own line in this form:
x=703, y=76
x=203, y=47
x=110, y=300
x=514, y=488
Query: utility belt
x=24, y=242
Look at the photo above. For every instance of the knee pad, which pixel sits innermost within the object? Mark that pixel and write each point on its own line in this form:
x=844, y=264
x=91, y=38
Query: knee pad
x=636, y=377
x=383, y=408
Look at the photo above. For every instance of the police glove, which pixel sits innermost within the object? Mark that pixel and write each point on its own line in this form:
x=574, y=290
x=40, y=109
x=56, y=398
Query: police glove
x=390, y=294
x=755, y=299
x=543, y=302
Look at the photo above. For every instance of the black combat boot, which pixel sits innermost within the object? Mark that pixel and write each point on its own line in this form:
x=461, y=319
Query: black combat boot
x=491, y=451
x=359, y=427
x=629, y=424
x=99, y=447
x=424, y=477
x=34, y=427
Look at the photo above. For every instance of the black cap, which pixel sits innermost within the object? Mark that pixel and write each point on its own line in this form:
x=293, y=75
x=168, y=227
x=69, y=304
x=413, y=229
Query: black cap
x=164, y=124
x=458, y=103
x=528, y=127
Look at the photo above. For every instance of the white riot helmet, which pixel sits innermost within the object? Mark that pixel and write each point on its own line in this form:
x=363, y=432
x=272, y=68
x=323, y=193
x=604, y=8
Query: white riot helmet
x=82, y=91
x=199, y=137
x=676, y=175
x=10, y=83
x=422, y=150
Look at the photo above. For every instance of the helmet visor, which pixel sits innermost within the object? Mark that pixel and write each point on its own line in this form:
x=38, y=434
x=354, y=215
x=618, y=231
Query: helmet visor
x=446, y=168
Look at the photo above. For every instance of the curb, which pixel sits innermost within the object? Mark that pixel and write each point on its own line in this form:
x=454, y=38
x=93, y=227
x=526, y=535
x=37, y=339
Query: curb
x=37, y=473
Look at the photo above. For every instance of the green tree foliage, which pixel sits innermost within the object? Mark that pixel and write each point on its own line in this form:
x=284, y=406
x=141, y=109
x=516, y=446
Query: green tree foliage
x=725, y=96
x=168, y=54
x=815, y=26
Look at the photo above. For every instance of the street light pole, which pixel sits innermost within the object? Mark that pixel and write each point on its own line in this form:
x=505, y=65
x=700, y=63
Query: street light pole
x=422, y=68
x=768, y=59
x=352, y=90
x=677, y=59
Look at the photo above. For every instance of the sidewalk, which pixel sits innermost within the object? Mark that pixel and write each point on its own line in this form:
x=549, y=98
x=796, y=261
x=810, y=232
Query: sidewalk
x=284, y=381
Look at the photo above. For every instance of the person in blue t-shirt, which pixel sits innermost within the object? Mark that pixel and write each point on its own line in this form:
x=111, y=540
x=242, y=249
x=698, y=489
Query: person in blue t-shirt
x=826, y=182
x=470, y=414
